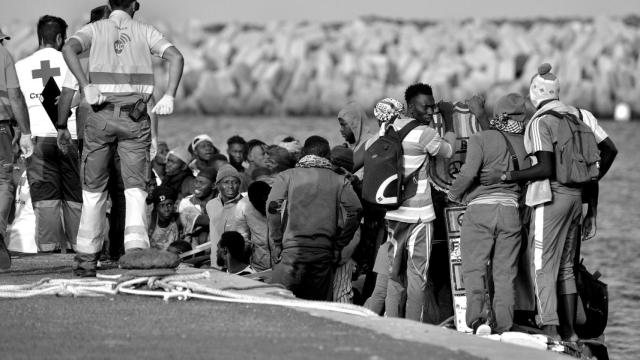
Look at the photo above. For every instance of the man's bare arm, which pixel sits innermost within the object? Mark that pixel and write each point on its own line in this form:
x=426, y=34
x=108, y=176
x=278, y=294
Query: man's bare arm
x=176, y=65
x=70, y=53
x=64, y=105
x=19, y=108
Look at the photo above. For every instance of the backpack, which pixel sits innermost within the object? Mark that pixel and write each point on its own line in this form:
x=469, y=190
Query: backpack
x=593, y=298
x=595, y=301
x=577, y=158
x=384, y=183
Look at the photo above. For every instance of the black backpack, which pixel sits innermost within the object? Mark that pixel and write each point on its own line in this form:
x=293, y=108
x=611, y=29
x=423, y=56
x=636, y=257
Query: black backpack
x=594, y=297
x=384, y=184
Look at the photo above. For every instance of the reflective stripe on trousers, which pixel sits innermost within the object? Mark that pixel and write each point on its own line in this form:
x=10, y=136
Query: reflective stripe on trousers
x=91, y=233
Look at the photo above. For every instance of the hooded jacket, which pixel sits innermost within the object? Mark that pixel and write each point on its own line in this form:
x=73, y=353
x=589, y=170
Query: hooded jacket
x=363, y=128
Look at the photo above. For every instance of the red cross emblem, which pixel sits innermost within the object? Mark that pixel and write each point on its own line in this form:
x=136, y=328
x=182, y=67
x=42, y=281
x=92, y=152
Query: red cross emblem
x=45, y=72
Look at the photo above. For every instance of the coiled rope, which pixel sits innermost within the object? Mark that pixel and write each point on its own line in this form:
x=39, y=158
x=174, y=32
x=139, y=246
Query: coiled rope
x=175, y=286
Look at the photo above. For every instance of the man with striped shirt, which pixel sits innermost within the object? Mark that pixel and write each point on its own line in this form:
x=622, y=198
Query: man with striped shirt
x=410, y=226
x=119, y=85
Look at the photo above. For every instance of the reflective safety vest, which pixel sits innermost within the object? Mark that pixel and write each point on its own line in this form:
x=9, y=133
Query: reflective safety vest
x=120, y=56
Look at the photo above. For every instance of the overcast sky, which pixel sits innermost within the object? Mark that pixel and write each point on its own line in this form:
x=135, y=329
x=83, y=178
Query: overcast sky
x=324, y=10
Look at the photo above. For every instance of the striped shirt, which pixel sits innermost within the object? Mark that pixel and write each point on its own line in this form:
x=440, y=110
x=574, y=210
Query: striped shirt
x=120, y=56
x=8, y=80
x=417, y=145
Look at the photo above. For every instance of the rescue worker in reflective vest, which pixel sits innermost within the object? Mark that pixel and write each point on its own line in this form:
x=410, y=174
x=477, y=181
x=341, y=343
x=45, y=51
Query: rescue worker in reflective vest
x=119, y=85
x=53, y=176
x=12, y=106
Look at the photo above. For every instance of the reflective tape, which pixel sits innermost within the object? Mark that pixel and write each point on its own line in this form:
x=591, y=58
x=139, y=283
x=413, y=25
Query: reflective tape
x=120, y=78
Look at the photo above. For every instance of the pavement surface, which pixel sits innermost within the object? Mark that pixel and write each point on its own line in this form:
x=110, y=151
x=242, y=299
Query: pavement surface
x=127, y=327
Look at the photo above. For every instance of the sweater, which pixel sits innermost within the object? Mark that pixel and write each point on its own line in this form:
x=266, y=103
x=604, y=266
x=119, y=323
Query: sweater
x=488, y=150
x=312, y=207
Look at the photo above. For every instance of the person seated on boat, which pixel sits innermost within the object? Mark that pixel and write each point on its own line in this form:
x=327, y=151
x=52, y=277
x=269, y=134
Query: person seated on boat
x=231, y=255
x=192, y=209
x=164, y=227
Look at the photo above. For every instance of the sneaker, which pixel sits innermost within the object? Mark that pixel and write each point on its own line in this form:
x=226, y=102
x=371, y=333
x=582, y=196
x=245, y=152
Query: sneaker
x=5, y=258
x=481, y=328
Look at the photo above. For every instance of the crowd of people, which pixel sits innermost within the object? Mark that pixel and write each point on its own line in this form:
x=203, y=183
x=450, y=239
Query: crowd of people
x=295, y=208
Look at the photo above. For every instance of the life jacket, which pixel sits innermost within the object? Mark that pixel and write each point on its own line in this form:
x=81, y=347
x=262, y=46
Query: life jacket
x=465, y=124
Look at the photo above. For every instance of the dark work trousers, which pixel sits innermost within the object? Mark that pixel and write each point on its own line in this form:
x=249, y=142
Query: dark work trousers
x=7, y=190
x=115, y=187
x=56, y=193
x=307, y=272
x=374, y=234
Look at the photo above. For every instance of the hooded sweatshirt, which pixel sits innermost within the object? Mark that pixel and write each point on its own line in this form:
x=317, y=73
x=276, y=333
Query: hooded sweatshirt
x=363, y=127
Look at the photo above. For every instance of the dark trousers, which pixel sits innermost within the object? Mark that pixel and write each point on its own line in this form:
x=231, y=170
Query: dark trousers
x=7, y=190
x=307, y=272
x=56, y=193
x=115, y=187
x=374, y=234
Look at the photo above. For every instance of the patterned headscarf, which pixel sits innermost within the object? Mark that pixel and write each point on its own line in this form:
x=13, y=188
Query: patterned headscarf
x=314, y=161
x=509, y=114
x=503, y=122
x=388, y=109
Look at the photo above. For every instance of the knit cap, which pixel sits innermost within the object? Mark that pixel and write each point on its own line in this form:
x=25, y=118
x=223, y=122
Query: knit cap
x=388, y=109
x=181, y=153
x=544, y=85
x=226, y=171
x=200, y=139
x=511, y=105
x=342, y=156
x=208, y=173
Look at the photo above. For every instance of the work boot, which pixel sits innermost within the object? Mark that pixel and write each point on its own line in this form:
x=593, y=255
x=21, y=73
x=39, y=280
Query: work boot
x=85, y=265
x=5, y=257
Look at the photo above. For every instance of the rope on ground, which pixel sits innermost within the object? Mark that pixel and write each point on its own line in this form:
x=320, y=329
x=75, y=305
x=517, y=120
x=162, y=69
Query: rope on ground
x=175, y=286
